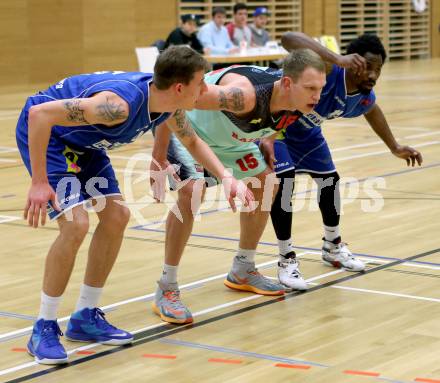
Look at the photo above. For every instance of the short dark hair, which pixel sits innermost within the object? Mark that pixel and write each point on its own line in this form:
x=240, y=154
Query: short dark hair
x=367, y=43
x=239, y=7
x=177, y=63
x=299, y=60
x=216, y=10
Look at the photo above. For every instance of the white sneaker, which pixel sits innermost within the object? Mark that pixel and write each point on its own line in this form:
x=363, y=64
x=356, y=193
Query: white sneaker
x=290, y=276
x=338, y=255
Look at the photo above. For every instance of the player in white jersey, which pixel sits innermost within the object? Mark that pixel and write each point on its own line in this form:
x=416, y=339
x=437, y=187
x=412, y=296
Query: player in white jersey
x=253, y=105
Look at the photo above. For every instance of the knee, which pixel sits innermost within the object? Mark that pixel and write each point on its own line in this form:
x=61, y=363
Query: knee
x=192, y=192
x=75, y=230
x=119, y=217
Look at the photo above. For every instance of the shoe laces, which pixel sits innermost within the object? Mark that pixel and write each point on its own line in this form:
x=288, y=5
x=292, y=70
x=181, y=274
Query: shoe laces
x=343, y=252
x=173, y=298
x=291, y=265
x=50, y=333
x=254, y=271
x=97, y=316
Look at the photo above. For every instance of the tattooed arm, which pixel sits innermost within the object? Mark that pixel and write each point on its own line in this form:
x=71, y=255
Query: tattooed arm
x=204, y=155
x=105, y=108
x=201, y=152
x=237, y=97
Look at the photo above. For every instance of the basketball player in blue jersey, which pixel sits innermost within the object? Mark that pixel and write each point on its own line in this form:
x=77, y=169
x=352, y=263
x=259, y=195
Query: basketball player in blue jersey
x=249, y=104
x=303, y=149
x=63, y=133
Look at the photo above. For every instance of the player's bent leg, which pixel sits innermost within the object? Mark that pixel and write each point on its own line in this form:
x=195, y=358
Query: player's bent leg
x=244, y=275
x=107, y=239
x=44, y=343
x=167, y=302
x=88, y=324
x=289, y=274
x=334, y=252
x=180, y=219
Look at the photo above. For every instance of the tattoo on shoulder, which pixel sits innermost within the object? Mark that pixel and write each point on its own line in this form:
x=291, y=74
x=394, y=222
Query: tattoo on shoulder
x=111, y=111
x=184, y=129
x=233, y=101
x=237, y=99
x=223, y=101
x=75, y=113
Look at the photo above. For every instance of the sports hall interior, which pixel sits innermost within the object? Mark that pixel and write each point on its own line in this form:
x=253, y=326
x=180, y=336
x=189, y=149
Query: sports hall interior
x=381, y=325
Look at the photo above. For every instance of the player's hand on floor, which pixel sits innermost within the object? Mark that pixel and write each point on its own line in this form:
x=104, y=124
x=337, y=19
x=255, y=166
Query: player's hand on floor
x=36, y=205
x=409, y=154
x=159, y=171
x=237, y=189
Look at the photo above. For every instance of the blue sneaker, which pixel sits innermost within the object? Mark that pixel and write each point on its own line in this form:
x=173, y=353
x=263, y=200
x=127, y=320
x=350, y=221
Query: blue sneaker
x=44, y=343
x=89, y=325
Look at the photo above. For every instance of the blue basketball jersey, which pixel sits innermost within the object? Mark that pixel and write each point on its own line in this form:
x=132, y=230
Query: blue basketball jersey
x=133, y=87
x=302, y=145
x=334, y=102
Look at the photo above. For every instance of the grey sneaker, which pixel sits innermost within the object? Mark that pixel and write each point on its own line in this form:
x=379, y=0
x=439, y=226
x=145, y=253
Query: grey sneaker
x=336, y=253
x=245, y=277
x=168, y=306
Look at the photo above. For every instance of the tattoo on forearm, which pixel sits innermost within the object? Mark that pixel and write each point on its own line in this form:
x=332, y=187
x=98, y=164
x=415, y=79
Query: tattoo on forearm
x=75, y=113
x=184, y=129
x=110, y=111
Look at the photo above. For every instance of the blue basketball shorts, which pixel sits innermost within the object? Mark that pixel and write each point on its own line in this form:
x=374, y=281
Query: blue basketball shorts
x=306, y=151
x=76, y=175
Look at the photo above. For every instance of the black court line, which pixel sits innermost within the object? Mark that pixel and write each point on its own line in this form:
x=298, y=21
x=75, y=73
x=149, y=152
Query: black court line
x=167, y=329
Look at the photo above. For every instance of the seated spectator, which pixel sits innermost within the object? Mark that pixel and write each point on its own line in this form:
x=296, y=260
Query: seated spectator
x=214, y=35
x=239, y=32
x=186, y=35
x=259, y=34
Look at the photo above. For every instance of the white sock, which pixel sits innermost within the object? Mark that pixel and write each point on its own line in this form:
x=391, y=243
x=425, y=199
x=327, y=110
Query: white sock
x=285, y=246
x=49, y=307
x=169, y=274
x=331, y=232
x=247, y=256
x=88, y=297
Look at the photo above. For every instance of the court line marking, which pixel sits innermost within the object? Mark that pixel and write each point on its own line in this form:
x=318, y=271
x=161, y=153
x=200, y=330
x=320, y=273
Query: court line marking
x=154, y=332
x=370, y=154
x=27, y=330
x=8, y=149
x=311, y=250
x=374, y=143
x=8, y=218
x=232, y=351
x=19, y=316
x=254, y=355
x=381, y=292
x=8, y=160
x=161, y=324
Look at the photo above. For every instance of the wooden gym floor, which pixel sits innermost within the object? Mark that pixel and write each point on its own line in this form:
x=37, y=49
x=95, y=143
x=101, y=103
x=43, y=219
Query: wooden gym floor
x=379, y=326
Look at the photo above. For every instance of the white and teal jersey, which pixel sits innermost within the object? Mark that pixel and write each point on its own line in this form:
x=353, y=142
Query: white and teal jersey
x=232, y=138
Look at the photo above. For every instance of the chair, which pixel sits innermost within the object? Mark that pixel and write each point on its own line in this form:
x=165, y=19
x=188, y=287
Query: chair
x=159, y=44
x=146, y=57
